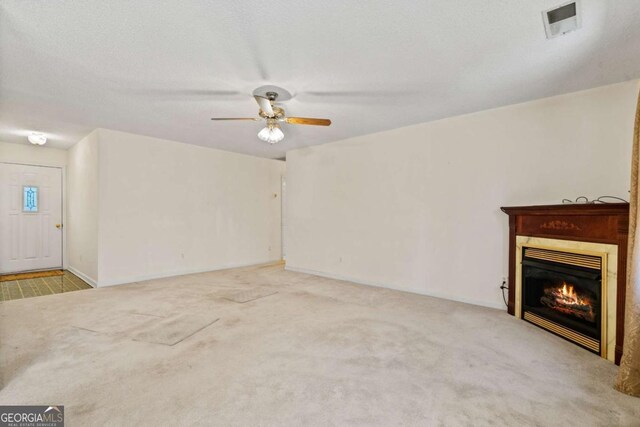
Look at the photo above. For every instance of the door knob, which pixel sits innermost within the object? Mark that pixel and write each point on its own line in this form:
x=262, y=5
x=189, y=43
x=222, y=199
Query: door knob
x=58, y=226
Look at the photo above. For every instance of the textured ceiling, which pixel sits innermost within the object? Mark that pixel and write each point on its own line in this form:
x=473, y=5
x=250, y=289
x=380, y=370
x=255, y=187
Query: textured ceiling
x=163, y=68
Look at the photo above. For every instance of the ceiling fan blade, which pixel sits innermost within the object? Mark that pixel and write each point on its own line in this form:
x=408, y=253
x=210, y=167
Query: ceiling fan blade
x=307, y=121
x=235, y=118
x=265, y=105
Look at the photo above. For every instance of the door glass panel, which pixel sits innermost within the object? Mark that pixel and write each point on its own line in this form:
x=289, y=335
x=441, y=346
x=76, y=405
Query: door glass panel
x=29, y=199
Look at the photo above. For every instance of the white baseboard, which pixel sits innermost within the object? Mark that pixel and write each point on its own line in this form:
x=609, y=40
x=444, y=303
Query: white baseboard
x=386, y=286
x=133, y=279
x=83, y=276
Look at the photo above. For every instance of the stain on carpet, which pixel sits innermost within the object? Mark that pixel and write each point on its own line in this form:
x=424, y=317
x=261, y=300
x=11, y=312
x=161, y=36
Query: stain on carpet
x=172, y=330
x=153, y=329
x=249, y=295
x=116, y=323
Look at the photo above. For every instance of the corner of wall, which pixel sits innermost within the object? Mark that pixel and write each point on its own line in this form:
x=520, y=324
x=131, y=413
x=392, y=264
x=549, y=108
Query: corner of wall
x=82, y=233
x=90, y=280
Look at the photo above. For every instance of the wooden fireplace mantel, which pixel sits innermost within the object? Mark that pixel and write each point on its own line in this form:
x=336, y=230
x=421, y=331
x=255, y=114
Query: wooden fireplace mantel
x=599, y=223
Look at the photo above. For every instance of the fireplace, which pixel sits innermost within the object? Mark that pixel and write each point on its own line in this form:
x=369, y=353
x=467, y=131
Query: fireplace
x=563, y=292
x=584, y=312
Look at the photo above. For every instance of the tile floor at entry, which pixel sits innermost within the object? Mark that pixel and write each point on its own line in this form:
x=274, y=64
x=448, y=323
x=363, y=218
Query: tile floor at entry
x=27, y=288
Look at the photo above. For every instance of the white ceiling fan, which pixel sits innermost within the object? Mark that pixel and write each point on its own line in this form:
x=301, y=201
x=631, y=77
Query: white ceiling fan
x=274, y=116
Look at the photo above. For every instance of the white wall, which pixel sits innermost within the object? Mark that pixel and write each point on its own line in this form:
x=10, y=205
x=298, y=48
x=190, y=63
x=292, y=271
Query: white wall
x=30, y=154
x=82, y=216
x=168, y=208
x=139, y=207
x=417, y=208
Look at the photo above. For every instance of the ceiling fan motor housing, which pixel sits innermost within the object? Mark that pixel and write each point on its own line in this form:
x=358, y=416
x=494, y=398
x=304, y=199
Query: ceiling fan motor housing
x=272, y=96
x=278, y=113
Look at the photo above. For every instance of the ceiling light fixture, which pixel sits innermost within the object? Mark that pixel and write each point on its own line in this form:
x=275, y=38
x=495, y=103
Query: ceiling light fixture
x=271, y=133
x=37, y=138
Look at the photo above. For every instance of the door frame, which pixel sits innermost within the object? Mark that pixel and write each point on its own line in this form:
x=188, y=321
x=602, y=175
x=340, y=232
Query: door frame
x=65, y=258
x=283, y=217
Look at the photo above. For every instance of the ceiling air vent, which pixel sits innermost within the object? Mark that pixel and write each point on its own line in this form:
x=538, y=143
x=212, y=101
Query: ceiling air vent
x=562, y=19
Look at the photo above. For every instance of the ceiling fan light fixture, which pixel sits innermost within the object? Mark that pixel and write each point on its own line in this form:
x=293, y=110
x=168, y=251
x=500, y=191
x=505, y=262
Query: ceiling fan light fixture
x=271, y=134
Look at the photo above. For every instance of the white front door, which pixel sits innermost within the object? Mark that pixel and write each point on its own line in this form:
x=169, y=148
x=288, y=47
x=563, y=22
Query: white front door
x=30, y=218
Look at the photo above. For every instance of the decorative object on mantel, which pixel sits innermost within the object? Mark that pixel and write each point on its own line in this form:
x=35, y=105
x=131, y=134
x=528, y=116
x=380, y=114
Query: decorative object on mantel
x=582, y=245
x=628, y=380
x=601, y=199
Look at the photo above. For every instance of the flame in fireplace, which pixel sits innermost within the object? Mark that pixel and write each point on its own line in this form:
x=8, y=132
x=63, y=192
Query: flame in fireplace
x=569, y=294
x=565, y=299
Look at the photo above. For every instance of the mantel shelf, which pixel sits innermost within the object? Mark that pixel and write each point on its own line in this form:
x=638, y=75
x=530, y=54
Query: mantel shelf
x=569, y=209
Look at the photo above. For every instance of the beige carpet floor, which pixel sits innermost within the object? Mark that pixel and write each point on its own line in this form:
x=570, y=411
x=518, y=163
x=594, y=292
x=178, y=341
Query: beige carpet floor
x=262, y=346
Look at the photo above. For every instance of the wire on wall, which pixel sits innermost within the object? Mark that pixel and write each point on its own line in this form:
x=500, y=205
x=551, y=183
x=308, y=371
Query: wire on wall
x=601, y=199
x=503, y=287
